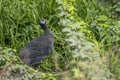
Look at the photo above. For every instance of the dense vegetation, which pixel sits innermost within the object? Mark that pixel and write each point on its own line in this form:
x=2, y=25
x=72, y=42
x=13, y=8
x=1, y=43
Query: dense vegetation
x=87, y=39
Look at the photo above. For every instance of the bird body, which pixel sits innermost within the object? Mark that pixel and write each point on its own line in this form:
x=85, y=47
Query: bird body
x=38, y=48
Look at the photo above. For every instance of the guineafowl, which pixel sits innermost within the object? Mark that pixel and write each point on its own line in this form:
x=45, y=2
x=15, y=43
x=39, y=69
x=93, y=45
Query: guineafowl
x=38, y=48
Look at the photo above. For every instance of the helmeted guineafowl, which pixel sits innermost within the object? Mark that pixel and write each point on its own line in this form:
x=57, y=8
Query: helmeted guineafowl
x=38, y=48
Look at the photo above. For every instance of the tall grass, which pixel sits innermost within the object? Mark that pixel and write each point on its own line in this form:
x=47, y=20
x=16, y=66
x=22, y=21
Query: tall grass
x=88, y=45
x=20, y=18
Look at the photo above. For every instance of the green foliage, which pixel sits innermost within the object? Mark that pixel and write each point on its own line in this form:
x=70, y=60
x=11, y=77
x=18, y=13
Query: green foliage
x=86, y=39
x=11, y=67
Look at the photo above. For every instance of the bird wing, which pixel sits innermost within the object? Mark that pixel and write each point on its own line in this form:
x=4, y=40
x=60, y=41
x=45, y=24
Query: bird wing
x=37, y=49
x=40, y=54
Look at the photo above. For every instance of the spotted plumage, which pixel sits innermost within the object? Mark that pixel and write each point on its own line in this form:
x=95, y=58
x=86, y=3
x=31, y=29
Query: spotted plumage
x=38, y=48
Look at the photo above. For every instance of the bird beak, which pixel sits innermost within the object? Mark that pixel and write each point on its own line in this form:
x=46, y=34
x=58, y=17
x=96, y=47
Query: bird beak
x=46, y=20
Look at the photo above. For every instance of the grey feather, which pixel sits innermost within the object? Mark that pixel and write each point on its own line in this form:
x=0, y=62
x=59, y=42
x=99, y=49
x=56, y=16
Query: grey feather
x=38, y=48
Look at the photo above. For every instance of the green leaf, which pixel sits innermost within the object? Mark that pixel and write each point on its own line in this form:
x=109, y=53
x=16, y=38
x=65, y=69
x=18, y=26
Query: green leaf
x=102, y=18
x=117, y=9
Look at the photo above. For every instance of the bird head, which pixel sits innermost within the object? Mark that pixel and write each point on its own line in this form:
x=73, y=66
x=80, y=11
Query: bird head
x=43, y=21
